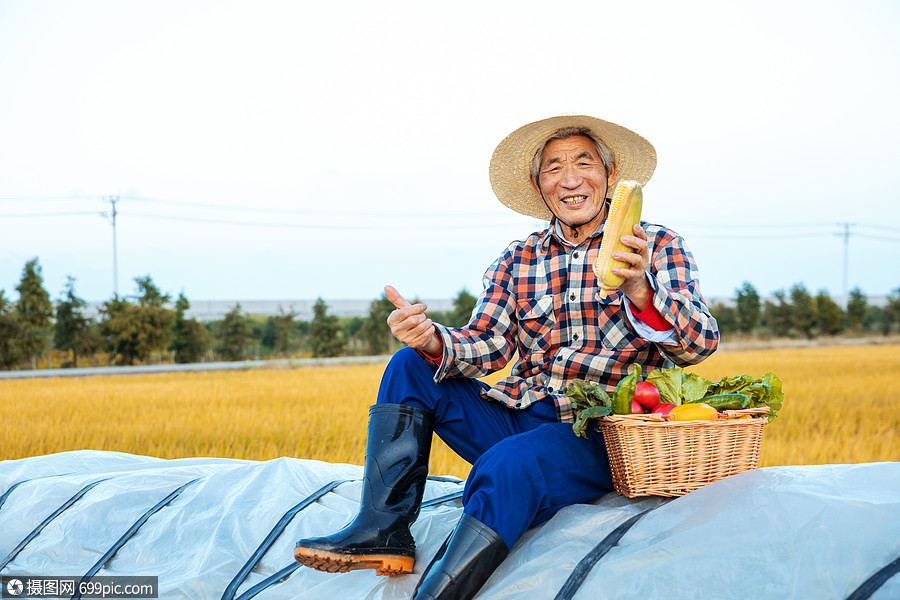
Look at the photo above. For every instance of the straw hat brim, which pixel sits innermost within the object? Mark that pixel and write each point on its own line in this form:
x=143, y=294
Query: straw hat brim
x=511, y=163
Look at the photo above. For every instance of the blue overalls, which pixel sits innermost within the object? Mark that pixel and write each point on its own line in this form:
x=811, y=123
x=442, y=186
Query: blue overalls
x=526, y=465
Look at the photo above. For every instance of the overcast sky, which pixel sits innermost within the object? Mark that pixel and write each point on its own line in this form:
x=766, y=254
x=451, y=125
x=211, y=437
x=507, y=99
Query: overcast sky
x=291, y=150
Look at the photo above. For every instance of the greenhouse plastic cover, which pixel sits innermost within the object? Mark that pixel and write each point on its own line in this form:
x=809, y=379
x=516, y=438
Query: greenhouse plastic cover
x=225, y=528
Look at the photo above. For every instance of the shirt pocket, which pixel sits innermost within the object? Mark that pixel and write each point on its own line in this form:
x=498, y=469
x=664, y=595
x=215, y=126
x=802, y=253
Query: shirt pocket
x=536, y=319
x=614, y=333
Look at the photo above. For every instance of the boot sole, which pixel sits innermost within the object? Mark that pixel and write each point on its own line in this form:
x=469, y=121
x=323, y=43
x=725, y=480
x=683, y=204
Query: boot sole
x=332, y=562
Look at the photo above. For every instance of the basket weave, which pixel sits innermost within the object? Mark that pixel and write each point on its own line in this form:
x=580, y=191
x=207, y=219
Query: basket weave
x=652, y=457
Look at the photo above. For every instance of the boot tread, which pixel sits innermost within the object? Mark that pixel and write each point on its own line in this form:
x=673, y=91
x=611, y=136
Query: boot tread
x=333, y=562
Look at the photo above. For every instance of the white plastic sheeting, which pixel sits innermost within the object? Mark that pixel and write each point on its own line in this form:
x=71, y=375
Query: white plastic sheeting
x=785, y=532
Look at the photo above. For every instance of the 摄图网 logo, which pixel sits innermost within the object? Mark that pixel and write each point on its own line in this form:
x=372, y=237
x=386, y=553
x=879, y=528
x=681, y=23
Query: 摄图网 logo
x=14, y=587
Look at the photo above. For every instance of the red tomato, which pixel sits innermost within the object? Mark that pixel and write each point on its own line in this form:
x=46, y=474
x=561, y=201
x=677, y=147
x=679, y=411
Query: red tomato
x=663, y=408
x=646, y=395
x=636, y=408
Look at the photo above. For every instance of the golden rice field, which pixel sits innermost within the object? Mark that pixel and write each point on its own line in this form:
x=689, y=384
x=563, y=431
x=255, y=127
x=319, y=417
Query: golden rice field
x=842, y=405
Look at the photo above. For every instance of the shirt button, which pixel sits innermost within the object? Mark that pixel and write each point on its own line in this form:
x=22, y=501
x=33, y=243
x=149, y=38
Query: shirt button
x=575, y=255
x=572, y=297
x=518, y=405
x=575, y=336
x=550, y=389
x=558, y=358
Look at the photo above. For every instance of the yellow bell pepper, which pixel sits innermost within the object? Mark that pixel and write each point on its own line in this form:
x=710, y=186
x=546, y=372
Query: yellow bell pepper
x=694, y=412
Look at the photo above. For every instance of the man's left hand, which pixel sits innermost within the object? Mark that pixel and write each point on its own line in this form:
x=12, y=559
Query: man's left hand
x=635, y=286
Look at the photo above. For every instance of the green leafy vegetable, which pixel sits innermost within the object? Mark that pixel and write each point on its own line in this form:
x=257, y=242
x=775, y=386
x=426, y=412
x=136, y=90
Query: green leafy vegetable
x=585, y=395
x=582, y=421
x=728, y=393
x=728, y=385
x=668, y=382
x=765, y=391
x=693, y=388
x=775, y=397
x=589, y=401
x=761, y=392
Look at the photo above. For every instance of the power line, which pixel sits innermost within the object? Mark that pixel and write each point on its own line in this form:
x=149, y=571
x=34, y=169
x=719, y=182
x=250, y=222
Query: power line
x=55, y=214
x=48, y=197
x=431, y=215
x=756, y=225
x=741, y=231
x=305, y=213
x=882, y=227
x=761, y=228
x=757, y=236
x=311, y=226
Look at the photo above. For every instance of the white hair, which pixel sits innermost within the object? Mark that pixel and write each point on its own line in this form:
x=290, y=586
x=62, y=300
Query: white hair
x=606, y=155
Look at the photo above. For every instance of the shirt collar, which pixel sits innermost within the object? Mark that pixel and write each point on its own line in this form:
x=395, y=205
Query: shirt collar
x=555, y=231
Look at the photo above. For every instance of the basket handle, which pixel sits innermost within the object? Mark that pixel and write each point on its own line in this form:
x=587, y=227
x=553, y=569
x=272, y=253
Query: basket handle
x=735, y=414
x=652, y=417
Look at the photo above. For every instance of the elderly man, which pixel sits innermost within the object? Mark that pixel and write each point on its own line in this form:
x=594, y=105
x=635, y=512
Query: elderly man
x=541, y=305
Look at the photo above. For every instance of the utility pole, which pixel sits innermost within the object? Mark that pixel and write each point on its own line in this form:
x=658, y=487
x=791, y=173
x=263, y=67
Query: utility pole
x=111, y=215
x=846, y=235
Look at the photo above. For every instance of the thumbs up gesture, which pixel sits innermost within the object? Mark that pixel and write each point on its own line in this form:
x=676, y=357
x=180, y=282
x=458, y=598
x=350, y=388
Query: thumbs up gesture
x=409, y=324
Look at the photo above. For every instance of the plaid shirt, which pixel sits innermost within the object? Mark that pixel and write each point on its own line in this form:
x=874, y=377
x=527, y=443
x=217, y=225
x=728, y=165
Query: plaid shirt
x=541, y=301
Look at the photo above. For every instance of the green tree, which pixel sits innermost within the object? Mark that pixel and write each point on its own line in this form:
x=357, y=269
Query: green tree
x=119, y=330
x=829, y=316
x=34, y=312
x=352, y=329
x=73, y=331
x=135, y=330
x=284, y=327
x=747, y=309
x=268, y=337
x=234, y=334
x=326, y=337
x=463, y=305
x=159, y=319
x=887, y=319
x=257, y=330
x=777, y=315
x=189, y=337
x=856, y=310
x=301, y=334
x=892, y=310
x=375, y=329
x=9, y=333
x=726, y=317
x=803, y=311
x=874, y=321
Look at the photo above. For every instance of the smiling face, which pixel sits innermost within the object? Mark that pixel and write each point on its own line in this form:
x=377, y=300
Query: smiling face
x=573, y=183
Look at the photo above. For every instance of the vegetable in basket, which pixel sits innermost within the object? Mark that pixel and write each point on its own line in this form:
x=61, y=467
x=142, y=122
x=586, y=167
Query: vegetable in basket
x=590, y=401
x=729, y=393
x=646, y=394
x=674, y=388
x=624, y=394
x=695, y=411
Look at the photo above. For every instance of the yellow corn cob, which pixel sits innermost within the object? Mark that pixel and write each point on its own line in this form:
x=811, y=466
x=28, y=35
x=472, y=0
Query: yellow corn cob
x=624, y=213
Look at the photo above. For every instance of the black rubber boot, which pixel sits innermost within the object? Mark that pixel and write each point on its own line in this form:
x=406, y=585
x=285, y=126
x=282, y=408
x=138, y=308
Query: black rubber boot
x=462, y=565
x=397, y=448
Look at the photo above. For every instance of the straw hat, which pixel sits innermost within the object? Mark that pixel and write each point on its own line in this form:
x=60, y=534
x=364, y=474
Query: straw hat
x=511, y=162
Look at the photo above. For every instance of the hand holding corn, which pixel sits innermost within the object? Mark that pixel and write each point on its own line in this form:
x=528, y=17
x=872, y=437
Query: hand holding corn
x=624, y=251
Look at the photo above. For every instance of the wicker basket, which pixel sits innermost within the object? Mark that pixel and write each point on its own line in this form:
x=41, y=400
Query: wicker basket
x=653, y=457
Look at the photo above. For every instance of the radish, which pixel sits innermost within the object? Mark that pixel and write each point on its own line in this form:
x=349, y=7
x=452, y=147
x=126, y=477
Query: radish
x=663, y=408
x=646, y=395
